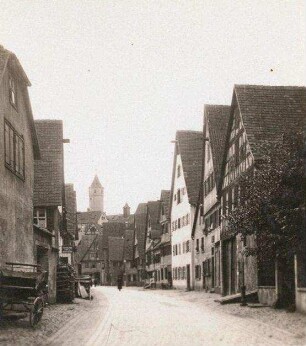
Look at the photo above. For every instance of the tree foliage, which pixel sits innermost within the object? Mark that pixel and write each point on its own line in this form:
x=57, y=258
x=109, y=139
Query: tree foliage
x=272, y=199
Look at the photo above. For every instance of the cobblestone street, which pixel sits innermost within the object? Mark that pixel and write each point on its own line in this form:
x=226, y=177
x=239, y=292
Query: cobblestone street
x=137, y=317
x=55, y=317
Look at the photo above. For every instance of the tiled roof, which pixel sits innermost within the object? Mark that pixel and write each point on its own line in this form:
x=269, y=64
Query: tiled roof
x=270, y=111
x=165, y=199
x=71, y=209
x=120, y=218
x=218, y=119
x=89, y=217
x=129, y=244
x=116, y=247
x=49, y=171
x=8, y=58
x=154, y=214
x=140, y=228
x=96, y=182
x=190, y=146
x=112, y=229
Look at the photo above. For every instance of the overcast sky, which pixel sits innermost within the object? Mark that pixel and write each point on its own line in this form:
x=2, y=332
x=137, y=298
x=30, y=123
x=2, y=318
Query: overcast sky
x=125, y=75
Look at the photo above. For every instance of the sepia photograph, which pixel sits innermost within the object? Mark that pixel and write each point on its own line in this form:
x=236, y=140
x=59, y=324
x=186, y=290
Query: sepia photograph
x=152, y=172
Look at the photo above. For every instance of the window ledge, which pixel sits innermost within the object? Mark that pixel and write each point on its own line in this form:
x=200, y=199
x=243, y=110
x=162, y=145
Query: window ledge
x=301, y=289
x=14, y=172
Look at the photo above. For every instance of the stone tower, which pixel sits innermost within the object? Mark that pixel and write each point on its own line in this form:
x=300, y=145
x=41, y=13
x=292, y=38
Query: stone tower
x=96, y=195
x=126, y=210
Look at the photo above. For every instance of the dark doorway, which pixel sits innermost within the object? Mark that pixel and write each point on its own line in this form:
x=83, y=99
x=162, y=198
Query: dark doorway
x=286, y=282
x=188, y=276
x=229, y=265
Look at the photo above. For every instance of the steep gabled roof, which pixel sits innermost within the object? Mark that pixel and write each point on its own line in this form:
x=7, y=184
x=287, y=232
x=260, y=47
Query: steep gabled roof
x=84, y=246
x=190, y=147
x=96, y=182
x=8, y=58
x=112, y=229
x=154, y=214
x=165, y=199
x=129, y=244
x=49, y=170
x=140, y=228
x=217, y=117
x=270, y=111
x=116, y=247
x=267, y=112
x=89, y=217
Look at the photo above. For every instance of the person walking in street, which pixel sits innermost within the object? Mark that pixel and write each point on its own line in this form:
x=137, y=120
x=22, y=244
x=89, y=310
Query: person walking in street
x=119, y=282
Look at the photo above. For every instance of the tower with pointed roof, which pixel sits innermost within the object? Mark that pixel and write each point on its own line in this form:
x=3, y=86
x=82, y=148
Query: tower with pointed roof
x=96, y=195
x=126, y=210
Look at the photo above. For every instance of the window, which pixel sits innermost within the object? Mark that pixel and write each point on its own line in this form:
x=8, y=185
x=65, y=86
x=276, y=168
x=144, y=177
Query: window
x=197, y=245
x=179, y=249
x=183, y=273
x=12, y=92
x=40, y=217
x=202, y=244
x=183, y=221
x=207, y=267
x=14, y=150
x=198, y=272
x=178, y=171
x=178, y=196
x=179, y=223
x=187, y=246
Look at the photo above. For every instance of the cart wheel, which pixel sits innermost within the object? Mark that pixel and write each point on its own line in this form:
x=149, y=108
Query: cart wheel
x=36, y=311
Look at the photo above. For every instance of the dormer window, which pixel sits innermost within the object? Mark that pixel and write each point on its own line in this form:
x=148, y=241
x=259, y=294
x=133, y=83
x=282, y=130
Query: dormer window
x=12, y=92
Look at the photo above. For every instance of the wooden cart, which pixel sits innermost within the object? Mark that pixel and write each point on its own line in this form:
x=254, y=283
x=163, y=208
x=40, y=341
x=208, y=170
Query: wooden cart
x=22, y=287
x=86, y=282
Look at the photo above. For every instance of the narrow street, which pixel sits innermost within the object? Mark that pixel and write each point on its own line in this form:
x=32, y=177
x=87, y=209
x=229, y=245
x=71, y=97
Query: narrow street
x=137, y=317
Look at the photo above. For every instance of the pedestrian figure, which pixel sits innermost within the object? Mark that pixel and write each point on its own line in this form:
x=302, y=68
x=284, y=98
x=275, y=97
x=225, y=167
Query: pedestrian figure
x=119, y=282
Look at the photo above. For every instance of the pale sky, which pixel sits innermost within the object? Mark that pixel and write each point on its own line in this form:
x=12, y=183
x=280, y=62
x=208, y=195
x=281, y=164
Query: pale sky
x=125, y=75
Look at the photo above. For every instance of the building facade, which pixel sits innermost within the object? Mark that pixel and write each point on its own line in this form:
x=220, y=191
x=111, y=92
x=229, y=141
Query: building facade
x=165, y=241
x=18, y=149
x=153, y=237
x=186, y=180
x=49, y=199
x=140, y=224
x=259, y=115
x=206, y=231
